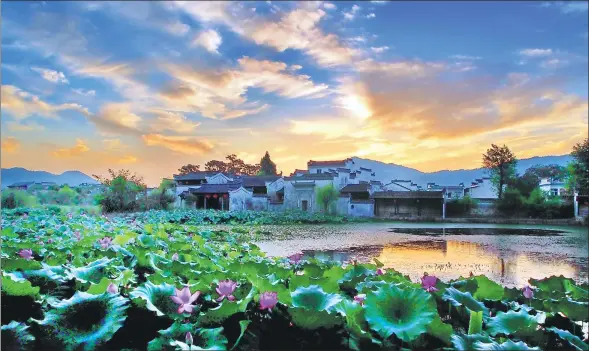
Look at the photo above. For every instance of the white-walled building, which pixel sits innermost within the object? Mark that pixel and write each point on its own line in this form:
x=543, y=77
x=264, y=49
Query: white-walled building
x=553, y=187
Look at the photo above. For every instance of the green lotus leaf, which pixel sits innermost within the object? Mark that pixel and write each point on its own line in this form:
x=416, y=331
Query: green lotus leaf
x=13, y=264
x=83, y=322
x=575, y=292
x=314, y=298
x=469, y=285
x=506, y=346
x=475, y=325
x=487, y=289
x=513, y=323
x=226, y=309
x=16, y=337
x=403, y=312
x=14, y=286
x=203, y=339
x=572, y=339
x=313, y=319
x=440, y=330
x=123, y=239
x=312, y=270
x=100, y=288
x=157, y=298
x=458, y=298
x=355, y=275
x=577, y=311
x=463, y=342
x=92, y=272
x=48, y=278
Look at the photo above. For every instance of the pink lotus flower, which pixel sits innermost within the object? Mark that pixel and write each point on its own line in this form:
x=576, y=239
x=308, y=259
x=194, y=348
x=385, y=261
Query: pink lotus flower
x=112, y=289
x=380, y=271
x=105, y=242
x=295, y=258
x=78, y=235
x=360, y=298
x=25, y=215
x=528, y=292
x=428, y=282
x=189, y=339
x=49, y=241
x=175, y=257
x=184, y=299
x=69, y=215
x=225, y=289
x=27, y=254
x=268, y=300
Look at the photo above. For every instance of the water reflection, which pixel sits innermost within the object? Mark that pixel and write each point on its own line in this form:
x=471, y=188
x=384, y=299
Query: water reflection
x=450, y=259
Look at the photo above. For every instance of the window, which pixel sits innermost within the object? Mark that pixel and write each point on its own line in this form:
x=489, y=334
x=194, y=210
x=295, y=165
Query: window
x=554, y=192
x=318, y=171
x=449, y=195
x=304, y=205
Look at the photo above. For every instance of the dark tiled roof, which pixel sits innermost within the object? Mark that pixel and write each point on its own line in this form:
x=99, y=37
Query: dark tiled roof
x=375, y=182
x=327, y=163
x=21, y=184
x=397, y=184
x=366, y=169
x=312, y=176
x=352, y=175
x=341, y=169
x=249, y=181
x=355, y=188
x=408, y=195
x=214, y=188
x=199, y=175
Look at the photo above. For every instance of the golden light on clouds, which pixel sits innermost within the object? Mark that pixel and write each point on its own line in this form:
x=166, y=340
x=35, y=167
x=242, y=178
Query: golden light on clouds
x=181, y=144
x=76, y=150
x=357, y=106
x=10, y=145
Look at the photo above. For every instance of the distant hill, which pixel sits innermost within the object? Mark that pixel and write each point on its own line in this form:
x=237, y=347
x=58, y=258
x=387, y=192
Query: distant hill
x=385, y=172
x=14, y=175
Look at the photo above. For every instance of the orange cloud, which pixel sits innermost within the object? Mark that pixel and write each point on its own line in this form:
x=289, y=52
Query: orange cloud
x=128, y=159
x=76, y=150
x=21, y=104
x=117, y=118
x=185, y=145
x=10, y=145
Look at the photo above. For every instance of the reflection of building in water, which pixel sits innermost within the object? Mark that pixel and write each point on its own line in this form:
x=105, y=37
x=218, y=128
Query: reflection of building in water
x=362, y=254
x=452, y=259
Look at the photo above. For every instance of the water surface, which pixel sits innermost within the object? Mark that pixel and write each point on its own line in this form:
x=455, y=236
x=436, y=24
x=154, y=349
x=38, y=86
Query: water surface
x=509, y=254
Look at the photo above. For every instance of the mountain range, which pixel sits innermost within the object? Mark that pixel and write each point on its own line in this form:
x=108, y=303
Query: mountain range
x=385, y=172
x=10, y=176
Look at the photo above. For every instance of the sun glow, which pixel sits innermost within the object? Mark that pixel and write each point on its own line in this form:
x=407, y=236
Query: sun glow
x=357, y=106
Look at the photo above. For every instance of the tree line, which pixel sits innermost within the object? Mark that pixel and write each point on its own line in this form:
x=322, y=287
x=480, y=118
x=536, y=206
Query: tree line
x=234, y=165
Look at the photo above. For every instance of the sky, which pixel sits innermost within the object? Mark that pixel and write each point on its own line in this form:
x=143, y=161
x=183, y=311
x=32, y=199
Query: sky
x=152, y=86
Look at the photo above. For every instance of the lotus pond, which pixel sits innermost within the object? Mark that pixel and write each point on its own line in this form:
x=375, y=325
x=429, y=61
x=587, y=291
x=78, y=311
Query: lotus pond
x=152, y=282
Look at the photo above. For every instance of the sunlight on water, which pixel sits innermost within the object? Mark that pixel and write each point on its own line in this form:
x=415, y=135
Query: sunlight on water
x=510, y=256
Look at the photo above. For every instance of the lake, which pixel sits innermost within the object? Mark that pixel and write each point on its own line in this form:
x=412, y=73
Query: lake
x=508, y=254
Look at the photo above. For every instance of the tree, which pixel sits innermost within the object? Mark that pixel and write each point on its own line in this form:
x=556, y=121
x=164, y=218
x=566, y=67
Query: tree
x=579, y=171
x=326, y=196
x=267, y=167
x=189, y=168
x=500, y=163
x=66, y=196
x=216, y=166
x=531, y=178
x=121, y=191
x=121, y=173
x=234, y=165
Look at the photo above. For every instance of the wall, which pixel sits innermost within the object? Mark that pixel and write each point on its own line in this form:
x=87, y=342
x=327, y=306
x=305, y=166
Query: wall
x=259, y=203
x=483, y=208
x=342, y=205
x=361, y=208
x=273, y=187
x=408, y=208
x=240, y=200
x=396, y=187
x=484, y=190
x=276, y=206
x=293, y=196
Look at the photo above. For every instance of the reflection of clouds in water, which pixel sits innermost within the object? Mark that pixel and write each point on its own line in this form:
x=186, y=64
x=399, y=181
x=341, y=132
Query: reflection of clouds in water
x=452, y=259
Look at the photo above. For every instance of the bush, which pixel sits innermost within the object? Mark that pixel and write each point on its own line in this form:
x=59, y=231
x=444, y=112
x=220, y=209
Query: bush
x=460, y=207
x=539, y=205
x=17, y=198
x=512, y=203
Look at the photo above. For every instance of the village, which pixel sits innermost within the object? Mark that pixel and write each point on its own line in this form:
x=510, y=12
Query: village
x=360, y=195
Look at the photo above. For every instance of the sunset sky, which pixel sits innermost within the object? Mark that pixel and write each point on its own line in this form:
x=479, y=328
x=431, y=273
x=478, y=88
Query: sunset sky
x=153, y=86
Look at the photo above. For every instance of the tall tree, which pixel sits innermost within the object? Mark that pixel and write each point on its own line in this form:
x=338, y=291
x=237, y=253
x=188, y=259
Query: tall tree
x=216, y=166
x=123, y=174
x=580, y=167
x=326, y=195
x=531, y=178
x=189, y=168
x=267, y=167
x=233, y=165
x=500, y=163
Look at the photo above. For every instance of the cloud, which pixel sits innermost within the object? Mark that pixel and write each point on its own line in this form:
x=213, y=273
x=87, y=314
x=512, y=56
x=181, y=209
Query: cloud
x=10, y=145
x=221, y=94
x=329, y=6
x=208, y=39
x=298, y=29
x=240, y=113
x=51, y=75
x=536, y=52
x=328, y=128
x=23, y=127
x=380, y=49
x=350, y=15
x=415, y=68
x=568, y=7
x=379, y=2
x=113, y=144
x=117, y=118
x=370, y=15
x=21, y=104
x=553, y=63
x=128, y=159
x=76, y=150
x=184, y=145
x=84, y=92
x=465, y=57
x=176, y=28
x=174, y=122
x=359, y=39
